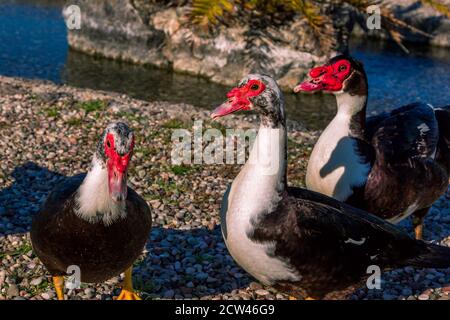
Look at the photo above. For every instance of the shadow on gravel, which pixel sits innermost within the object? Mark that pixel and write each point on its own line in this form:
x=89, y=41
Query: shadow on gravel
x=19, y=202
x=189, y=263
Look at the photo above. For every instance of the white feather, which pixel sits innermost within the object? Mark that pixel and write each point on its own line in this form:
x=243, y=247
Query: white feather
x=94, y=203
x=358, y=243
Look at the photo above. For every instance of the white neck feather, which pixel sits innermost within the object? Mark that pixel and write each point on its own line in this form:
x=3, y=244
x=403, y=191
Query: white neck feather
x=94, y=203
x=267, y=157
x=260, y=182
x=349, y=105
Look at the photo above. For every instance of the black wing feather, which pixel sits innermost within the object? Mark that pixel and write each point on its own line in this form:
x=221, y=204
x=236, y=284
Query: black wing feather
x=331, y=244
x=410, y=131
x=443, y=150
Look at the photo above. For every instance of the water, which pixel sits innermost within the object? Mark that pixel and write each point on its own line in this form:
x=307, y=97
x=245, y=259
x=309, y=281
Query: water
x=33, y=45
x=33, y=39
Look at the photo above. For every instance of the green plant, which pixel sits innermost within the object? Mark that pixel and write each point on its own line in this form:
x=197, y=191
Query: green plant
x=23, y=249
x=206, y=12
x=174, y=124
x=74, y=122
x=52, y=112
x=442, y=8
x=180, y=169
x=92, y=105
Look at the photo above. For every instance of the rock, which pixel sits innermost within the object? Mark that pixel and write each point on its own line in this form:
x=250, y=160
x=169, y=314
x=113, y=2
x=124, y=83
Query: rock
x=168, y=294
x=142, y=173
x=155, y=204
x=190, y=270
x=255, y=286
x=36, y=281
x=446, y=289
x=47, y=295
x=422, y=17
x=12, y=291
x=2, y=277
x=406, y=292
x=424, y=296
x=201, y=276
x=89, y=293
x=211, y=280
x=262, y=292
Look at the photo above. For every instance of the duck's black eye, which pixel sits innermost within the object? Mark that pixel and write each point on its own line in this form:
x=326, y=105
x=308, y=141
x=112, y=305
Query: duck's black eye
x=254, y=87
x=342, y=67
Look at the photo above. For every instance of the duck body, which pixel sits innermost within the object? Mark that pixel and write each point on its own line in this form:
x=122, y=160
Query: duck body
x=393, y=164
x=303, y=242
x=406, y=175
x=62, y=238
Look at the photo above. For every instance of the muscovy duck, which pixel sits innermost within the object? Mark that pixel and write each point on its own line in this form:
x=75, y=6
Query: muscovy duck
x=300, y=241
x=393, y=164
x=95, y=221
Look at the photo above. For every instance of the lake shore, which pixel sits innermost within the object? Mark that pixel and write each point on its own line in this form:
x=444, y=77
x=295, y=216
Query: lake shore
x=48, y=132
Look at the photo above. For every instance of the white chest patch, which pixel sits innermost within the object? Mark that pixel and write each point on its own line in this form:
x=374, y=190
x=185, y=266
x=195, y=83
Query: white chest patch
x=252, y=256
x=93, y=201
x=334, y=167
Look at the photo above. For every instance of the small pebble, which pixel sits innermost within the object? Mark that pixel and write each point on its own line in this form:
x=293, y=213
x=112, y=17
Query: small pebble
x=424, y=297
x=12, y=291
x=36, y=281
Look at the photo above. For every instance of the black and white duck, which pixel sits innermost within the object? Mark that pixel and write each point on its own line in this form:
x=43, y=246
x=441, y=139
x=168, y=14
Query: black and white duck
x=392, y=165
x=300, y=241
x=95, y=221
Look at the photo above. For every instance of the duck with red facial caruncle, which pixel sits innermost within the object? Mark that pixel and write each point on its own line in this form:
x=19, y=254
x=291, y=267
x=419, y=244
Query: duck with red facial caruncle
x=95, y=221
x=394, y=164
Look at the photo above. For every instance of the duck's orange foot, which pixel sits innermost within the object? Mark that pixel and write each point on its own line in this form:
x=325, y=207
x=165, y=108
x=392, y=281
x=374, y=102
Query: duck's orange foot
x=127, y=295
x=418, y=232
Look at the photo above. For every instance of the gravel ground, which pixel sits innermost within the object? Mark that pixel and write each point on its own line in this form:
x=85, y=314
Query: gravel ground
x=48, y=132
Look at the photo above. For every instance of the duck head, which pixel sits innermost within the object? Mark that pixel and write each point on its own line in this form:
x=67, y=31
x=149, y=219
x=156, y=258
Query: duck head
x=341, y=74
x=255, y=92
x=115, y=149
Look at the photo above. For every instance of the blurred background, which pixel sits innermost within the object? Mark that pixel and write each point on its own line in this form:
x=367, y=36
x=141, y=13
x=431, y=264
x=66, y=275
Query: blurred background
x=109, y=52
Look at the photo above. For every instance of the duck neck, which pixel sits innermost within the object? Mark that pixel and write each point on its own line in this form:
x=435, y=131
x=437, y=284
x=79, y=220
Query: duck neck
x=352, y=112
x=265, y=171
x=94, y=203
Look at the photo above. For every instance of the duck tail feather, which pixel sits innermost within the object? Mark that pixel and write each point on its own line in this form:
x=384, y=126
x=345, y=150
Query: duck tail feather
x=431, y=256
